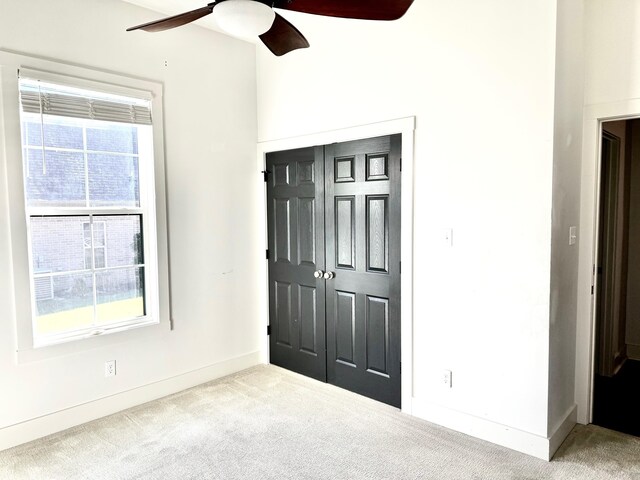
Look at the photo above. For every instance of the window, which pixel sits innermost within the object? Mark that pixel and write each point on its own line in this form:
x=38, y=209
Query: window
x=89, y=187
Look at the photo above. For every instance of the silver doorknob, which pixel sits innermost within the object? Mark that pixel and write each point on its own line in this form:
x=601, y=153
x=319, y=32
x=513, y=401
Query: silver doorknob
x=329, y=275
x=318, y=273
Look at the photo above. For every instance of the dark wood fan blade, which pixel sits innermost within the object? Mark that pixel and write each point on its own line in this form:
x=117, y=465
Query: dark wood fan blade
x=283, y=37
x=175, y=21
x=359, y=9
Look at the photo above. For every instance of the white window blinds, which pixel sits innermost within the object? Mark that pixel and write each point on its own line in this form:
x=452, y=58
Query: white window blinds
x=38, y=96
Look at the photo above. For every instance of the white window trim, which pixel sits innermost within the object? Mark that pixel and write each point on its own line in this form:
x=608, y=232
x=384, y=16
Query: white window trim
x=158, y=307
x=92, y=248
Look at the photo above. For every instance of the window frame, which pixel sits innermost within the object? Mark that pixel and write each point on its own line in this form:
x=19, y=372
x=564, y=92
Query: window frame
x=154, y=226
x=92, y=247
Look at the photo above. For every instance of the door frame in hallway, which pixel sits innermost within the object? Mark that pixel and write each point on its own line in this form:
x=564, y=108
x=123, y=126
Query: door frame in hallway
x=594, y=116
x=405, y=127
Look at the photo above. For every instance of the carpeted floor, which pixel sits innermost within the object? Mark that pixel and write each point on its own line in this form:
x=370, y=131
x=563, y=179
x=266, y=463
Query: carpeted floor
x=268, y=423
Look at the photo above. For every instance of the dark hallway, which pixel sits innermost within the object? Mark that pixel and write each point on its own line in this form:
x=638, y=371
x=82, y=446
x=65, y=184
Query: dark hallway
x=616, y=403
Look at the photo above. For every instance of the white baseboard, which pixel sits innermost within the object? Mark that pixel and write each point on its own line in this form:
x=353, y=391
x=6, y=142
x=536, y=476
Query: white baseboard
x=503, y=435
x=70, y=417
x=562, y=430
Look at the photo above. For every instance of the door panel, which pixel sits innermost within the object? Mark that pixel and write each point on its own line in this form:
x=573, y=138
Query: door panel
x=307, y=236
x=362, y=198
x=337, y=206
x=377, y=341
x=345, y=219
x=308, y=304
x=282, y=231
x=377, y=220
x=283, y=313
x=296, y=239
x=345, y=325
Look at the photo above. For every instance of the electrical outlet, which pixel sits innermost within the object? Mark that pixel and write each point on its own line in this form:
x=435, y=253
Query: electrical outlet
x=447, y=378
x=110, y=368
x=448, y=237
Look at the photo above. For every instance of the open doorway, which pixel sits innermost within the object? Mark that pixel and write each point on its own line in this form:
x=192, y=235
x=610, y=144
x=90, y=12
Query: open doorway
x=616, y=395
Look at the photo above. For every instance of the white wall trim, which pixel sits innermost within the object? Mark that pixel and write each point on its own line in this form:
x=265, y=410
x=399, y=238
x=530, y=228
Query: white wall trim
x=35, y=428
x=562, y=430
x=594, y=115
x=405, y=126
x=519, y=440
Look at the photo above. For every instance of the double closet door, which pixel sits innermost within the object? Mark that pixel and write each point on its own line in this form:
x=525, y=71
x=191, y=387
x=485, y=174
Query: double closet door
x=334, y=264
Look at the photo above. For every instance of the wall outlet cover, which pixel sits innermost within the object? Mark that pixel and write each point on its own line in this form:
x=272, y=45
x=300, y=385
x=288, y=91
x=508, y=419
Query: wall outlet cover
x=447, y=378
x=110, y=368
x=448, y=237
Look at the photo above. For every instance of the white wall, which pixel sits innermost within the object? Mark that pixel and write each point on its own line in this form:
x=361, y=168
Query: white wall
x=479, y=77
x=567, y=154
x=612, y=47
x=210, y=138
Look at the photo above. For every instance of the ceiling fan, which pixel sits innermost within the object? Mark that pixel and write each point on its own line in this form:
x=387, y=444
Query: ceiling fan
x=251, y=18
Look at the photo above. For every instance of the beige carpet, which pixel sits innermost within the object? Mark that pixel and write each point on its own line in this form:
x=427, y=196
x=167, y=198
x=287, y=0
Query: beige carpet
x=267, y=423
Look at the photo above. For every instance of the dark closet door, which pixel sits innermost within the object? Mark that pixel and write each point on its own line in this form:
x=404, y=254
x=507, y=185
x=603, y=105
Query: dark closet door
x=295, y=218
x=362, y=211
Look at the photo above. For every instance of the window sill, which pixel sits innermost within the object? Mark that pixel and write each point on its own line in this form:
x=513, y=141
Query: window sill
x=93, y=332
x=60, y=345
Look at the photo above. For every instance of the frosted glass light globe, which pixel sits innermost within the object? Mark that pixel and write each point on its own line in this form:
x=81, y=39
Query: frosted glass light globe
x=245, y=19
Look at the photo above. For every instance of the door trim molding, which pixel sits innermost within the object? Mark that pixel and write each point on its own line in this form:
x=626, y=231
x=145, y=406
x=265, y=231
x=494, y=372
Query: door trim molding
x=406, y=127
x=594, y=115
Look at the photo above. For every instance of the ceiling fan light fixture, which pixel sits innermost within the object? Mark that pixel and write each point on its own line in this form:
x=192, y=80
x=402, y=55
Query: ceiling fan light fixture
x=245, y=19
x=253, y=19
